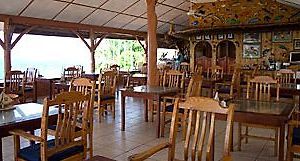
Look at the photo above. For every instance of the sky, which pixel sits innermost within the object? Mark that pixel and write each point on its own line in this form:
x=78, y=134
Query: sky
x=49, y=54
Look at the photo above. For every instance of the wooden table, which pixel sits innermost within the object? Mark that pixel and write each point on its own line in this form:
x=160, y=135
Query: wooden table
x=265, y=113
x=25, y=116
x=139, y=79
x=92, y=76
x=146, y=92
x=290, y=89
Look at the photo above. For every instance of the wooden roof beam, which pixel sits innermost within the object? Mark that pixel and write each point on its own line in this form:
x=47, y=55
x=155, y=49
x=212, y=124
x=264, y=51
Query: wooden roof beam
x=21, y=35
x=68, y=25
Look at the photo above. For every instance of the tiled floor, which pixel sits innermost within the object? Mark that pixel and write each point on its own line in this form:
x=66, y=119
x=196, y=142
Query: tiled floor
x=111, y=142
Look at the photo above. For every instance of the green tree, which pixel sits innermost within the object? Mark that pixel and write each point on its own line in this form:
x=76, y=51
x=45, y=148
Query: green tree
x=126, y=53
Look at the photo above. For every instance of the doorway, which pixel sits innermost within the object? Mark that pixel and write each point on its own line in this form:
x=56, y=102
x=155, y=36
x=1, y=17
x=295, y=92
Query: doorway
x=226, y=55
x=203, y=55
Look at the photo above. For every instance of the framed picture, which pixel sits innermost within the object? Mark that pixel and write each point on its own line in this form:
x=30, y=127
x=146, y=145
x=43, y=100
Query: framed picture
x=253, y=37
x=207, y=37
x=251, y=51
x=282, y=36
x=230, y=36
x=296, y=44
x=221, y=36
x=199, y=37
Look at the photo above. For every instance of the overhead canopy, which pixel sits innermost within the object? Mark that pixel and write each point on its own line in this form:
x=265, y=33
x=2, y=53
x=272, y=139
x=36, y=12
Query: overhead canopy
x=128, y=15
x=122, y=14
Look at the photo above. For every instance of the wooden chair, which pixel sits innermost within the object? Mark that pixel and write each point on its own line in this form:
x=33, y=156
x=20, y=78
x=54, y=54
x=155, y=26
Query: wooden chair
x=86, y=87
x=14, y=84
x=106, y=93
x=293, y=137
x=229, y=89
x=215, y=73
x=29, y=82
x=259, y=88
x=115, y=67
x=285, y=76
x=194, y=89
x=65, y=145
x=71, y=72
x=144, y=68
x=198, y=70
x=184, y=67
x=204, y=110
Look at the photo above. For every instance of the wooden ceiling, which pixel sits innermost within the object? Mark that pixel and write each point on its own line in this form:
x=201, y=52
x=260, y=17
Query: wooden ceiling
x=123, y=14
x=119, y=14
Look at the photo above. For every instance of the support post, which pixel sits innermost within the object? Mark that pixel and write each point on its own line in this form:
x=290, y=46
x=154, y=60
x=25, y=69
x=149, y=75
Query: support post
x=192, y=56
x=152, y=42
x=92, y=50
x=8, y=32
x=92, y=47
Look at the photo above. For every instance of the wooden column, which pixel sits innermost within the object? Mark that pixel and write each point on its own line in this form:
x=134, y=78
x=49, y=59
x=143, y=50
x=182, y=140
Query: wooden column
x=7, y=45
x=92, y=50
x=192, y=55
x=92, y=46
x=152, y=42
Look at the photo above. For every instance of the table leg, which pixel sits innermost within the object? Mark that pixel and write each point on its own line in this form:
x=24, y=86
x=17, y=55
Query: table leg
x=146, y=109
x=122, y=112
x=1, y=155
x=281, y=143
x=158, y=118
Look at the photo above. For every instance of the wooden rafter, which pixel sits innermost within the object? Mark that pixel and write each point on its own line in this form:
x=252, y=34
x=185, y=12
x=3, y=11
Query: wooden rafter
x=2, y=43
x=68, y=25
x=21, y=35
x=82, y=38
x=99, y=41
x=145, y=50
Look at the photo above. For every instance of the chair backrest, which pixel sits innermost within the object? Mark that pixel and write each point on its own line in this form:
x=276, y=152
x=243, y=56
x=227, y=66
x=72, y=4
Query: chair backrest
x=173, y=78
x=115, y=67
x=204, y=110
x=30, y=75
x=198, y=70
x=71, y=72
x=255, y=71
x=235, y=80
x=215, y=73
x=144, y=68
x=71, y=106
x=194, y=87
x=107, y=83
x=259, y=88
x=184, y=67
x=85, y=86
x=15, y=81
x=285, y=76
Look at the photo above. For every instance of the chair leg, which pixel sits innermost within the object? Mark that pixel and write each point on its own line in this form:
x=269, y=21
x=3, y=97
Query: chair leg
x=276, y=141
x=239, y=136
x=99, y=113
x=91, y=143
x=113, y=108
x=151, y=109
x=246, y=133
x=162, y=123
